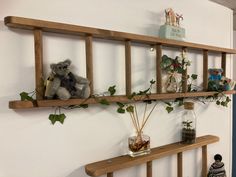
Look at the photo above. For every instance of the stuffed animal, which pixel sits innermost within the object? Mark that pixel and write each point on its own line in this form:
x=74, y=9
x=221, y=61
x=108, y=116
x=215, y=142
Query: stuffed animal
x=64, y=84
x=215, y=74
x=217, y=168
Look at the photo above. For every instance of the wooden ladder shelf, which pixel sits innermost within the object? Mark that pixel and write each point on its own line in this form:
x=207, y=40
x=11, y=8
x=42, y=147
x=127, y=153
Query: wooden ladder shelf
x=109, y=166
x=88, y=33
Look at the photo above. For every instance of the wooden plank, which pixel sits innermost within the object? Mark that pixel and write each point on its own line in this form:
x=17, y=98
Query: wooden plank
x=149, y=168
x=205, y=70
x=110, y=174
x=223, y=63
x=184, y=76
x=204, y=161
x=128, y=67
x=55, y=27
x=112, y=99
x=89, y=61
x=158, y=68
x=180, y=164
x=121, y=162
x=38, y=50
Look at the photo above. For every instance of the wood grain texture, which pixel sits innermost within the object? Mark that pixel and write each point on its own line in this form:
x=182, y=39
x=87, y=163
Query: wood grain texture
x=89, y=61
x=128, y=67
x=121, y=162
x=205, y=70
x=223, y=63
x=38, y=50
x=55, y=27
x=180, y=164
x=109, y=174
x=204, y=161
x=149, y=168
x=158, y=68
x=112, y=99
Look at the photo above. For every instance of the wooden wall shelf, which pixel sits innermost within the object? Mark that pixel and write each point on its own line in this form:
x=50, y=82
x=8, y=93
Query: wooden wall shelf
x=112, y=99
x=109, y=166
x=88, y=33
x=55, y=27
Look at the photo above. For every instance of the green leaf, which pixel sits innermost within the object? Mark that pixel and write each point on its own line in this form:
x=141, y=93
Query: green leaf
x=121, y=105
x=228, y=99
x=180, y=101
x=194, y=76
x=61, y=118
x=52, y=118
x=168, y=103
x=112, y=90
x=25, y=97
x=130, y=108
x=218, y=102
x=132, y=95
x=152, y=82
x=148, y=101
x=169, y=109
x=104, y=102
x=143, y=92
x=121, y=110
x=83, y=106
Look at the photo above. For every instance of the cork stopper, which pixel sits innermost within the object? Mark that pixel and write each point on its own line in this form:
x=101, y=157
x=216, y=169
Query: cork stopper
x=189, y=105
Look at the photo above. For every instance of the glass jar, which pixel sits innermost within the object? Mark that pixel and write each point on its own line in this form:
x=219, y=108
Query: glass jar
x=139, y=145
x=189, y=124
x=173, y=82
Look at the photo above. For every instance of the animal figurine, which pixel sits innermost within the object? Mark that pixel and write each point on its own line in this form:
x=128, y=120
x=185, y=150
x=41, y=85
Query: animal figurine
x=217, y=169
x=178, y=18
x=172, y=18
x=64, y=84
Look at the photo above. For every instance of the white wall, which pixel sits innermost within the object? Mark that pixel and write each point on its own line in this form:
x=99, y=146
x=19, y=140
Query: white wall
x=32, y=147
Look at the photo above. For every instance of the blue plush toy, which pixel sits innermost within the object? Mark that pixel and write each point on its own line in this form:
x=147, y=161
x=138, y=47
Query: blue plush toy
x=215, y=74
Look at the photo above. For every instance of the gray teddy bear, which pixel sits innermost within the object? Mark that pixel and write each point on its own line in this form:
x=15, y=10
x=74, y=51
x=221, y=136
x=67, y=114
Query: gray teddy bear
x=64, y=84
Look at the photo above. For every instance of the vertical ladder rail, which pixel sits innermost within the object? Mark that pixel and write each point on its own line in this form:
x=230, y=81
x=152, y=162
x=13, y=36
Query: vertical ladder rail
x=204, y=161
x=110, y=174
x=89, y=61
x=149, y=169
x=128, y=67
x=205, y=70
x=184, y=75
x=158, y=68
x=38, y=50
x=223, y=63
x=180, y=164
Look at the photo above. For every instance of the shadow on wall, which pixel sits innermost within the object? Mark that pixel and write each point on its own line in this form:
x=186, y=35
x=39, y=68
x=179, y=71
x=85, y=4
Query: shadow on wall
x=78, y=172
x=153, y=28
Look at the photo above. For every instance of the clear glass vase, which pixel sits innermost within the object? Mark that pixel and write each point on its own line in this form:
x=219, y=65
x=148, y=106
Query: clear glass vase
x=189, y=124
x=139, y=145
x=173, y=82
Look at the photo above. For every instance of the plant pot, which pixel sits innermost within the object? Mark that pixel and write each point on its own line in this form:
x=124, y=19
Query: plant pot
x=139, y=145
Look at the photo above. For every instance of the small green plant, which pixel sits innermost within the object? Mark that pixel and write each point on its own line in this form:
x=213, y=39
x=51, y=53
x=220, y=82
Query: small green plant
x=187, y=124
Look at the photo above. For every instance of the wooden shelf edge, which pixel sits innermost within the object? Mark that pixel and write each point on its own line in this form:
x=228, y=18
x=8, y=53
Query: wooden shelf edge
x=55, y=27
x=121, y=162
x=112, y=99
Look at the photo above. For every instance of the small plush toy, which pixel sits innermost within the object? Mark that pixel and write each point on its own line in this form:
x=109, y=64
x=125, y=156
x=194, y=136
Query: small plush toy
x=215, y=74
x=217, y=169
x=64, y=84
x=214, y=79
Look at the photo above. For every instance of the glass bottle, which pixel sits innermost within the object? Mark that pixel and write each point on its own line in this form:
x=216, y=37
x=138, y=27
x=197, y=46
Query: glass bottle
x=139, y=145
x=189, y=124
